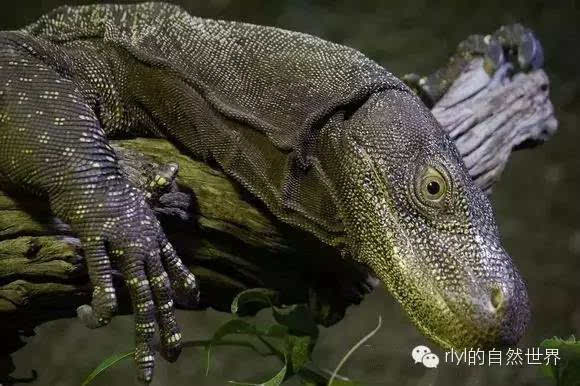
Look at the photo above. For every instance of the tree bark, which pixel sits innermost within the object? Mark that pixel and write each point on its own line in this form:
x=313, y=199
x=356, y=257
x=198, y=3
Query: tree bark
x=228, y=239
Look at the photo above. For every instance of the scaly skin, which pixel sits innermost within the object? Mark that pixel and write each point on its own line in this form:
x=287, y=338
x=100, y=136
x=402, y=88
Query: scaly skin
x=329, y=140
x=439, y=254
x=52, y=143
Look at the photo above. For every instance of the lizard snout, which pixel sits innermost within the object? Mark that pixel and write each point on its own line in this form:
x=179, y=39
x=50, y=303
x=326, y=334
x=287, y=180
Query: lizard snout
x=497, y=299
x=499, y=313
x=511, y=311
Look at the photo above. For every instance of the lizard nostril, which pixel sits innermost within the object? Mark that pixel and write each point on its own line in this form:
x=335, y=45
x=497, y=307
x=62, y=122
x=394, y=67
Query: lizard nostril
x=496, y=298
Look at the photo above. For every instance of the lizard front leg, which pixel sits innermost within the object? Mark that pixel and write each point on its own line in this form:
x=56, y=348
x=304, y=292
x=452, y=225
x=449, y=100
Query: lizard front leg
x=51, y=142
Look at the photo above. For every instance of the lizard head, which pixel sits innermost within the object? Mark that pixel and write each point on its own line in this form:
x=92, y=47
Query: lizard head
x=414, y=216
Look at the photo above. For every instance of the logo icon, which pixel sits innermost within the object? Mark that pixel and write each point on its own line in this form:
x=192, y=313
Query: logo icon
x=423, y=354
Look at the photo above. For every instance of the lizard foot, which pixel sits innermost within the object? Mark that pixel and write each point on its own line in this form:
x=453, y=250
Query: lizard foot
x=123, y=232
x=160, y=179
x=512, y=44
x=521, y=43
x=157, y=181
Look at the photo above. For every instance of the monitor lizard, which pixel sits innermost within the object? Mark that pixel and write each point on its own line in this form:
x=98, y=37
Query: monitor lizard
x=325, y=137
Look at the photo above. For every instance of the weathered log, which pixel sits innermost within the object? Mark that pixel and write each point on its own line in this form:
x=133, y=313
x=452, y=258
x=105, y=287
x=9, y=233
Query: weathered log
x=488, y=116
x=227, y=238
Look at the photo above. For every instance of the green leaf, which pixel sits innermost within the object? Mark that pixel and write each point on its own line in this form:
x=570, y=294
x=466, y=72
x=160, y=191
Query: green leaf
x=298, y=319
x=276, y=380
x=303, y=333
x=298, y=350
x=105, y=364
x=262, y=296
x=240, y=326
x=208, y=344
x=566, y=372
x=234, y=326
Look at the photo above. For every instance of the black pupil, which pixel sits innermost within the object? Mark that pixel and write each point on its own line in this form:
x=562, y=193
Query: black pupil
x=433, y=187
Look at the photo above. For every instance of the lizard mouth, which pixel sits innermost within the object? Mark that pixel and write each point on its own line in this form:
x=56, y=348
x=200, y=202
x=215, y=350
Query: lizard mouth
x=496, y=319
x=483, y=313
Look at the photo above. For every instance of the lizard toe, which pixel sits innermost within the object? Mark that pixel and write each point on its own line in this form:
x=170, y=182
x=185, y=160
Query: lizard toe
x=185, y=286
x=133, y=267
x=162, y=293
x=160, y=179
x=104, y=302
x=145, y=359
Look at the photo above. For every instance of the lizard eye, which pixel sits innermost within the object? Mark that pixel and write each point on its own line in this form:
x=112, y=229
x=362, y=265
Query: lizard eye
x=433, y=186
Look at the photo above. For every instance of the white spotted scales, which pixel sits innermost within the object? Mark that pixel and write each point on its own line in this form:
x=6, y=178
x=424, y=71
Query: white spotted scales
x=328, y=139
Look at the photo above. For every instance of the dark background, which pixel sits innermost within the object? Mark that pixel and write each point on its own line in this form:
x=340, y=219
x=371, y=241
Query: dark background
x=536, y=201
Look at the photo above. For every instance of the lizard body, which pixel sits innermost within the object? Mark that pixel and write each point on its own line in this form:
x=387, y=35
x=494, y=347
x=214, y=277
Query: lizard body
x=329, y=140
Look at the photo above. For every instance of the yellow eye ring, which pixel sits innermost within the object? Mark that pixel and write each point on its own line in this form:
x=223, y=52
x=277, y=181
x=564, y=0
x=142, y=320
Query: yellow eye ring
x=433, y=186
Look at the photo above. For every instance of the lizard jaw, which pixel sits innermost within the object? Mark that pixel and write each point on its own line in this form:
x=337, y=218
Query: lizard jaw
x=486, y=316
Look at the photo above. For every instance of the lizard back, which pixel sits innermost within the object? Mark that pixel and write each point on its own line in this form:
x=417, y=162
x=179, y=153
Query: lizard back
x=256, y=97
